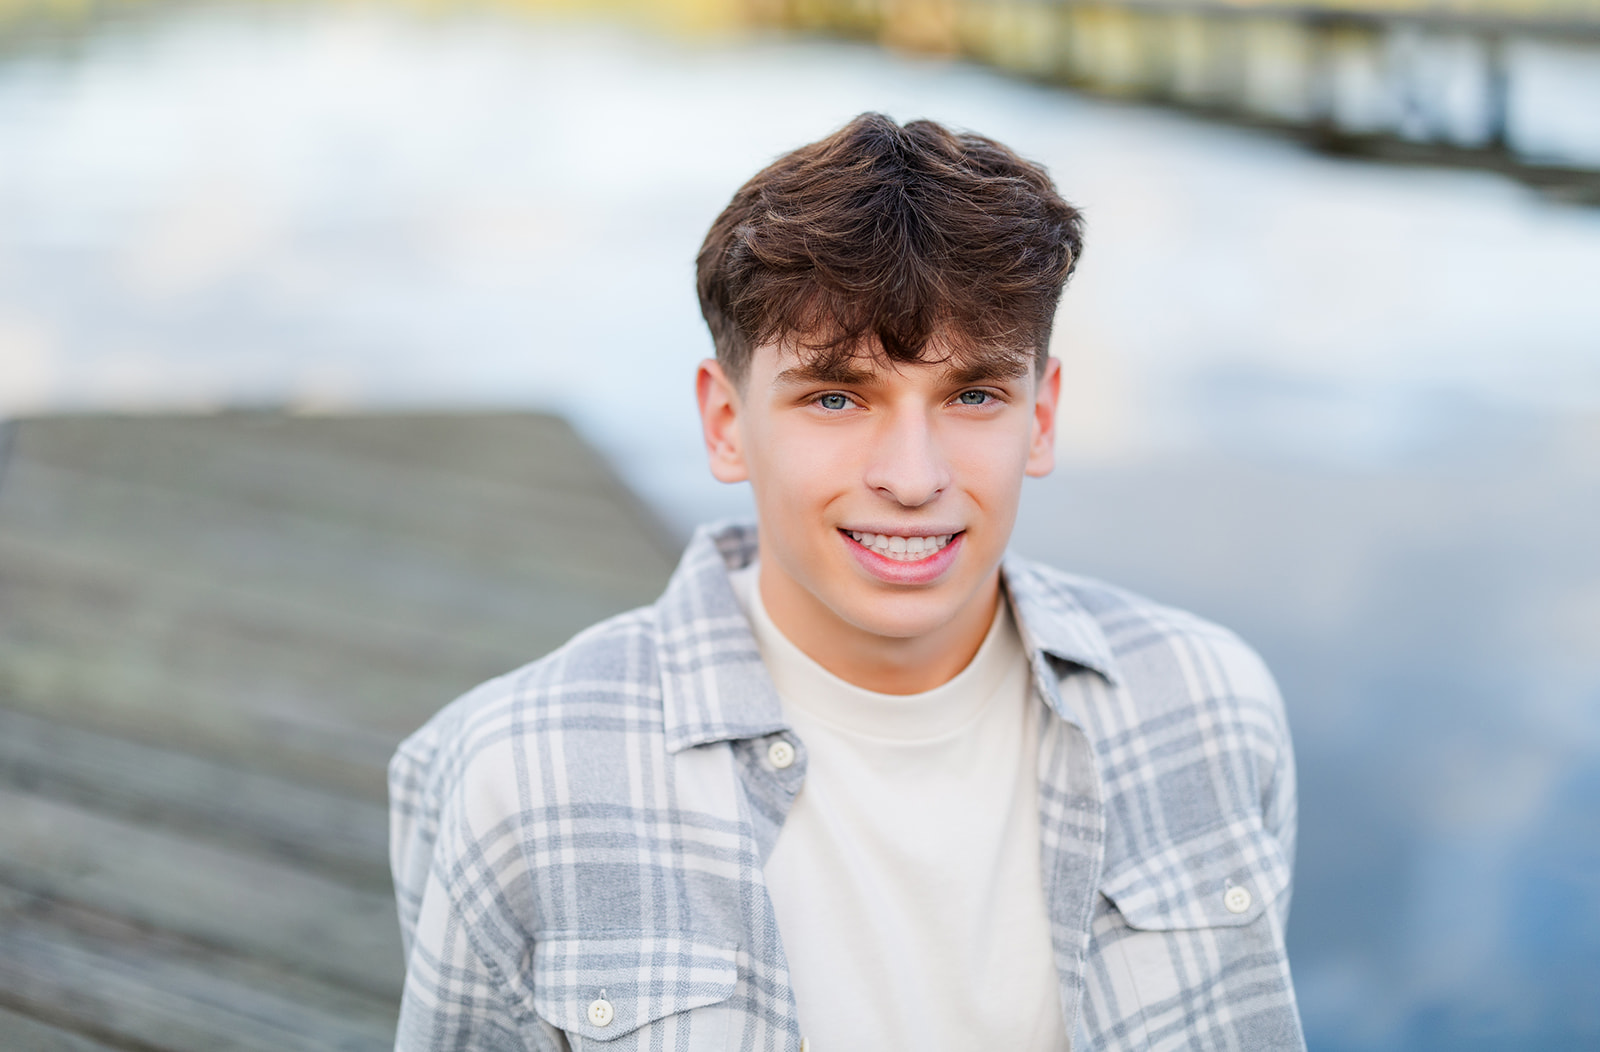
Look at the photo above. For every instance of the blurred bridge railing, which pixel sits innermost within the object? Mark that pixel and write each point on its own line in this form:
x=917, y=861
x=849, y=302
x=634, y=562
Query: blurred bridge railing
x=1506, y=84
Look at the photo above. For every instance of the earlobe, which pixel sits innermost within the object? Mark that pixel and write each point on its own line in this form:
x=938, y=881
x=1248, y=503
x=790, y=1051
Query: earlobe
x=719, y=422
x=1042, y=446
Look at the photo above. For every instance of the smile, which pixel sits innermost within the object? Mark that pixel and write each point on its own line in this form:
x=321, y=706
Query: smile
x=901, y=549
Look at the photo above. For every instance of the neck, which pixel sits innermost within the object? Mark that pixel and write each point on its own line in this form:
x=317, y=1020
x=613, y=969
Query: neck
x=880, y=663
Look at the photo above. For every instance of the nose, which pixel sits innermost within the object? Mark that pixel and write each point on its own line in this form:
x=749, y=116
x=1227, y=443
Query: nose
x=907, y=464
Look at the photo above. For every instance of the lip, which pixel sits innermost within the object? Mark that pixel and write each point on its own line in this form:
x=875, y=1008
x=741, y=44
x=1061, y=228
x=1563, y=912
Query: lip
x=890, y=571
x=891, y=530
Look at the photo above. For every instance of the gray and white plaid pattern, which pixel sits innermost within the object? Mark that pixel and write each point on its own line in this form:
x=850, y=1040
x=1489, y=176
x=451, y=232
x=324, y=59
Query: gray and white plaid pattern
x=590, y=830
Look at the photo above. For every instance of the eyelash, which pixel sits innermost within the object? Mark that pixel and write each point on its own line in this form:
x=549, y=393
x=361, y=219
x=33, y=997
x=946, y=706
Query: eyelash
x=989, y=397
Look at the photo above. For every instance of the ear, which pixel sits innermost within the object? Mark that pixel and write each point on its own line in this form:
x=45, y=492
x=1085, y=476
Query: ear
x=1042, y=445
x=719, y=422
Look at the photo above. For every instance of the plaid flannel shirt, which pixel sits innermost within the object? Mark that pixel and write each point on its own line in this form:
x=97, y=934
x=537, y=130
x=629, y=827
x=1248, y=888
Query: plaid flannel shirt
x=578, y=846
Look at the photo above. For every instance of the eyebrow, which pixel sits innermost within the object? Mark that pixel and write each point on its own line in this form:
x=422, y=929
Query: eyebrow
x=824, y=372
x=845, y=373
x=995, y=371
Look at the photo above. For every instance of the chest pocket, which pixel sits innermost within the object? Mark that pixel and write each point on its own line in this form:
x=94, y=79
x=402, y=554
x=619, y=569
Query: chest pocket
x=1194, y=932
x=1223, y=879
x=629, y=989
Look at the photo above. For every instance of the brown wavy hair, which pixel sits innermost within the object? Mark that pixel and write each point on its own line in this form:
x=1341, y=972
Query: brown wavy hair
x=915, y=242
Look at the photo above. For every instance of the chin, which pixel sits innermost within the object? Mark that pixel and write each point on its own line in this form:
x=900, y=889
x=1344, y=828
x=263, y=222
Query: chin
x=898, y=615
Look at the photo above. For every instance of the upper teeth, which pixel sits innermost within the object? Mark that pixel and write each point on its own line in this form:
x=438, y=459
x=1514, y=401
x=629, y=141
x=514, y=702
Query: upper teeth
x=904, y=549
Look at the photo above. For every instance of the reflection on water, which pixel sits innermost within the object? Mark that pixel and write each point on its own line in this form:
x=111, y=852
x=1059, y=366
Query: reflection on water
x=1352, y=411
x=1432, y=621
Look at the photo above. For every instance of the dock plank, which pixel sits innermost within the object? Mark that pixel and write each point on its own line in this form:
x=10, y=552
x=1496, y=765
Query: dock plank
x=214, y=631
x=521, y=452
x=563, y=491
x=187, y=534
x=254, y=908
x=315, y=639
x=271, y=817
x=271, y=686
x=23, y=1034
x=114, y=982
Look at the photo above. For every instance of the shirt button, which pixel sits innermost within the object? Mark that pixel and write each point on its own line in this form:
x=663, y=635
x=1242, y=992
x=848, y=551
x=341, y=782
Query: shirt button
x=780, y=754
x=600, y=1012
x=1237, y=899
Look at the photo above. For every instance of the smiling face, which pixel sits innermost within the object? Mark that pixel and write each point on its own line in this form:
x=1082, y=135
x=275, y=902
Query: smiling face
x=886, y=495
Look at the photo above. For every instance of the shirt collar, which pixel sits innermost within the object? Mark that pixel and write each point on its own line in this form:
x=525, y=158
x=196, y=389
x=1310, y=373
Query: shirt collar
x=715, y=687
x=1054, y=620
x=1054, y=623
x=713, y=684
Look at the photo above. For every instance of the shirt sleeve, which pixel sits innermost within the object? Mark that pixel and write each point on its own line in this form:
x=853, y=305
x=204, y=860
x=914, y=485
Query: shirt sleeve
x=413, y=827
x=1279, y=795
x=447, y=899
x=453, y=1000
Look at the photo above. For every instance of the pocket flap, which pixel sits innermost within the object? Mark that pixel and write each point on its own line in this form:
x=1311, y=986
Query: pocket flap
x=1224, y=878
x=641, y=977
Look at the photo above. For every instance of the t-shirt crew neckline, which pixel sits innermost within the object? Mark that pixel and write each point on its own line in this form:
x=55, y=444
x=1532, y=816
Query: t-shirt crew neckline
x=906, y=718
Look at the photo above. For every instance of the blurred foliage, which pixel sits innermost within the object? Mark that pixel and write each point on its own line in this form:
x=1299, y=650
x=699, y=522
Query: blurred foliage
x=947, y=26
x=30, y=18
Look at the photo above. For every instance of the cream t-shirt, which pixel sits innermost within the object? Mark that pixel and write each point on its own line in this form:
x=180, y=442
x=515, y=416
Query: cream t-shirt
x=906, y=877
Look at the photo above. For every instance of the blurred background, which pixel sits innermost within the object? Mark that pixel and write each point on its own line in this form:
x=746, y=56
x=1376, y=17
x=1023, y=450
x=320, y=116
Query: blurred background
x=346, y=355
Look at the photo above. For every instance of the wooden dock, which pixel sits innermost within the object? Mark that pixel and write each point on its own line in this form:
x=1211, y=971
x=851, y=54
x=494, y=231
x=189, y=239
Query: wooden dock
x=213, y=632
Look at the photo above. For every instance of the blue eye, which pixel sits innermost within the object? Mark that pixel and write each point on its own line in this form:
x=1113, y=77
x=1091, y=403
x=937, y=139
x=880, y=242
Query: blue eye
x=834, y=401
x=973, y=397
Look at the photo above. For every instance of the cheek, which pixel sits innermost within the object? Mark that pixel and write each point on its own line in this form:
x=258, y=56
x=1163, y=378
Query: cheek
x=814, y=454
x=800, y=469
x=991, y=463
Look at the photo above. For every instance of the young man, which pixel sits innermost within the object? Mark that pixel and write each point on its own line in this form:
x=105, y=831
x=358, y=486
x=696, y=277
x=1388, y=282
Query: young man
x=859, y=781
